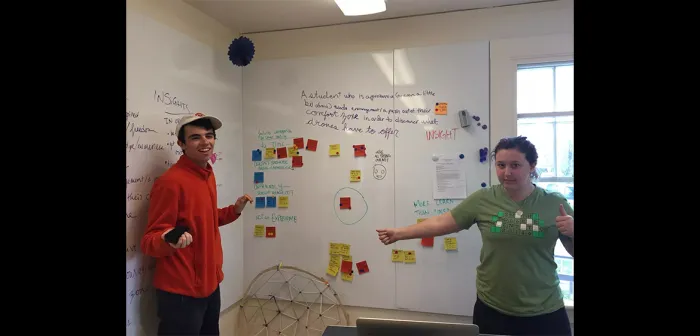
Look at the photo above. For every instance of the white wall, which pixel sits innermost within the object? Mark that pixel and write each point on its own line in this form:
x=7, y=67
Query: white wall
x=187, y=20
x=544, y=18
x=200, y=27
x=506, y=27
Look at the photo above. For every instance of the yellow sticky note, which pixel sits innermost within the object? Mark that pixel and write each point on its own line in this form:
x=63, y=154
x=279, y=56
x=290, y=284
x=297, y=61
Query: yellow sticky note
x=334, y=265
x=355, y=175
x=293, y=151
x=334, y=150
x=259, y=230
x=409, y=256
x=441, y=108
x=344, y=250
x=397, y=256
x=270, y=153
x=283, y=202
x=450, y=244
x=420, y=220
x=339, y=249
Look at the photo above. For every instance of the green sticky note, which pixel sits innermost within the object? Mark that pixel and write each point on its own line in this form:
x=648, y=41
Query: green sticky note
x=494, y=218
x=495, y=229
x=500, y=214
x=535, y=216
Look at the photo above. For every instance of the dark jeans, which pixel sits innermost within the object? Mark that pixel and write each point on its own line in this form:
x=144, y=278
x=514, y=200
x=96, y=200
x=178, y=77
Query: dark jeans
x=491, y=321
x=187, y=316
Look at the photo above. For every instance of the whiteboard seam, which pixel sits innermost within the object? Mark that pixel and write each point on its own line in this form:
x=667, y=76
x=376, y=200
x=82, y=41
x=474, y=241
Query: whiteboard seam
x=393, y=106
x=488, y=144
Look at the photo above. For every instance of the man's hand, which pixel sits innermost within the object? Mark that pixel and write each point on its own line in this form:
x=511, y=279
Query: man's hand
x=241, y=202
x=184, y=240
x=565, y=223
x=388, y=236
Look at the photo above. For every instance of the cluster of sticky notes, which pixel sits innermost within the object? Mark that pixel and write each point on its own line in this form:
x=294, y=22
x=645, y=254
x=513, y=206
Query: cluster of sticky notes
x=341, y=261
x=404, y=256
x=336, y=252
x=359, y=150
x=287, y=152
x=263, y=231
x=450, y=244
x=271, y=202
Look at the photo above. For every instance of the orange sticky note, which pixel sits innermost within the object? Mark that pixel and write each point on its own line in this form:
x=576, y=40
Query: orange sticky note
x=345, y=203
x=311, y=145
x=282, y=153
x=346, y=266
x=362, y=267
x=441, y=108
x=427, y=241
x=297, y=161
x=360, y=150
x=299, y=142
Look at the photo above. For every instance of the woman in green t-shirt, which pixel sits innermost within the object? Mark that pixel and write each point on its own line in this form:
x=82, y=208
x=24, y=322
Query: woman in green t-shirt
x=517, y=284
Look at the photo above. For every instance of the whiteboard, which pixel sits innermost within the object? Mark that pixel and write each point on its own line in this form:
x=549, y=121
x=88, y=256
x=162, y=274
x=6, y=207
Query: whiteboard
x=296, y=98
x=440, y=281
x=394, y=93
x=170, y=75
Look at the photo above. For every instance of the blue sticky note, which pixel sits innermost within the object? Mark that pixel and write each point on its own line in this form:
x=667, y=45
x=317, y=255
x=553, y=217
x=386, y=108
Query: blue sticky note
x=257, y=155
x=271, y=201
x=260, y=202
x=258, y=177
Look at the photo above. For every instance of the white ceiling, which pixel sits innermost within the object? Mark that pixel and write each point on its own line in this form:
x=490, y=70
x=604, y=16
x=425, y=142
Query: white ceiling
x=253, y=16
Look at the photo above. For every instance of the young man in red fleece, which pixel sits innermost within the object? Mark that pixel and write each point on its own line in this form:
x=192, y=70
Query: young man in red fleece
x=188, y=273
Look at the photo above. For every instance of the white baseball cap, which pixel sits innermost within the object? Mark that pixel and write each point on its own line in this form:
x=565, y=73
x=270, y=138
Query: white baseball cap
x=215, y=122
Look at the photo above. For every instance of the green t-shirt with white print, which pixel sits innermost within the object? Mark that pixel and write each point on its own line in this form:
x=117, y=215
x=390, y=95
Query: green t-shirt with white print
x=517, y=274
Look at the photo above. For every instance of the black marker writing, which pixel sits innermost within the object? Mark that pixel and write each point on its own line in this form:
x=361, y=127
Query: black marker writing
x=135, y=196
x=138, y=292
x=135, y=128
x=140, y=179
x=138, y=145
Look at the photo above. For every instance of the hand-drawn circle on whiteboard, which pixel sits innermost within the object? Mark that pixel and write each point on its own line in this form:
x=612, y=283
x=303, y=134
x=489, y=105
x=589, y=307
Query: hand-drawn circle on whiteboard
x=379, y=171
x=356, y=212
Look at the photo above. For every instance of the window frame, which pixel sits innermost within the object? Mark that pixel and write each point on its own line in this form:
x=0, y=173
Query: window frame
x=548, y=114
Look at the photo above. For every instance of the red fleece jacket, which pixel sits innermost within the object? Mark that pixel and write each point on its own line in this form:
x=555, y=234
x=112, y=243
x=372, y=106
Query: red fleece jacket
x=186, y=195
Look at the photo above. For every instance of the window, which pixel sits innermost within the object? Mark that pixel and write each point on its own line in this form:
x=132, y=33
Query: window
x=545, y=108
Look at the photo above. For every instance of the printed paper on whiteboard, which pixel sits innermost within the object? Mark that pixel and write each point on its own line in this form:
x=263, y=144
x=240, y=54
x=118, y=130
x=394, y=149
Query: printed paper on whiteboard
x=450, y=178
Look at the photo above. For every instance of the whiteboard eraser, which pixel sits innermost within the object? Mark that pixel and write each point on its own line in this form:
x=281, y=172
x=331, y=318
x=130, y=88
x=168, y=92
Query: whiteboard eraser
x=464, y=119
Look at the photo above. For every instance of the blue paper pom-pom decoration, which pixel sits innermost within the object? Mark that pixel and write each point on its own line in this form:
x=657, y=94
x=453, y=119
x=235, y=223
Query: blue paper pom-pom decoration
x=241, y=51
x=483, y=154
